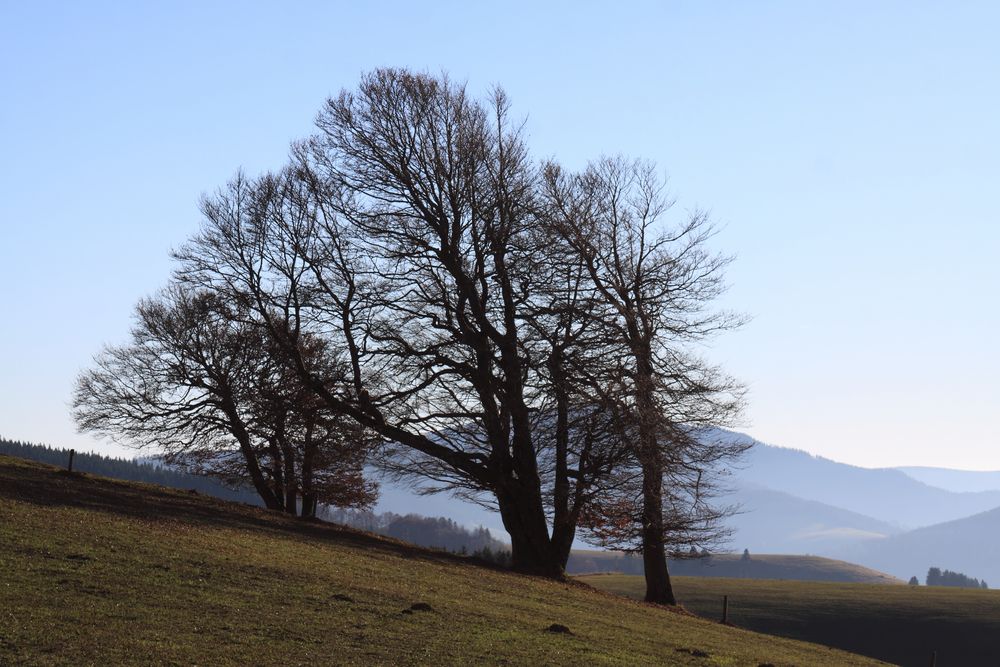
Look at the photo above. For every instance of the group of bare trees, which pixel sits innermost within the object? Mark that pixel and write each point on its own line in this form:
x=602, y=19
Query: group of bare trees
x=413, y=291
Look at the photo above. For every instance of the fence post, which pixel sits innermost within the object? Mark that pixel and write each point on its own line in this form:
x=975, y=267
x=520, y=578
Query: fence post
x=725, y=608
x=933, y=658
x=69, y=468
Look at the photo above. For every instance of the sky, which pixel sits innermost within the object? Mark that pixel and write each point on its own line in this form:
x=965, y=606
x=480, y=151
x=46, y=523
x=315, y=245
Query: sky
x=849, y=152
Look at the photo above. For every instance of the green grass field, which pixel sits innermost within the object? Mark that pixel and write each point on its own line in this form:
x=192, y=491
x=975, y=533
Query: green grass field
x=898, y=624
x=101, y=572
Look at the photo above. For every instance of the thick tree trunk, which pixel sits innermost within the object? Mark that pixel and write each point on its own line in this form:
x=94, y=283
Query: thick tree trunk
x=562, y=541
x=654, y=552
x=531, y=549
x=266, y=493
x=308, y=506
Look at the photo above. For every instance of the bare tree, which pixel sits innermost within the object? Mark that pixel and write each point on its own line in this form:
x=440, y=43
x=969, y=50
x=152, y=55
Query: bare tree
x=483, y=339
x=198, y=383
x=659, y=284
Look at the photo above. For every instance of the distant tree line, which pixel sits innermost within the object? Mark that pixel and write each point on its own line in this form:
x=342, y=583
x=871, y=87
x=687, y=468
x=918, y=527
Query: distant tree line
x=413, y=290
x=937, y=577
x=128, y=469
x=436, y=532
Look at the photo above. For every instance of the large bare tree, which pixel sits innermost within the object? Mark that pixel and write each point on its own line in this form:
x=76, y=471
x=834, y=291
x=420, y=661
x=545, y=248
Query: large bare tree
x=414, y=236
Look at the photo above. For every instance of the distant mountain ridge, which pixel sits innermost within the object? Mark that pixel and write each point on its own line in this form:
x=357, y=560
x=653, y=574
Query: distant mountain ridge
x=885, y=494
x=896, y=520
x=954, y=480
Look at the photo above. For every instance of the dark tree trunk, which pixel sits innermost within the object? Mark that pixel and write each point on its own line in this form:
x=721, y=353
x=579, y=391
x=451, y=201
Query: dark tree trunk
x=266, y=493
x=277, y=473
x=562, y=541
x=531, y=548
x=306, y=475
x=563, y=517
x=654, y=552
x=308, y=506
x=290, y=487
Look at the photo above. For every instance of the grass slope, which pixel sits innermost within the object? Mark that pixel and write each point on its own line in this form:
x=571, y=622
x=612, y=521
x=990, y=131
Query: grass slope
x=899, y=624
x=760, y=566
x=98, y=572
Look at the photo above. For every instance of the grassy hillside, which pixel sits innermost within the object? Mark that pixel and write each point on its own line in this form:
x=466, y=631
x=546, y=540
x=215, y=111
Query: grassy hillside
x=760, y=566
x=98, y=571
x=899, y=624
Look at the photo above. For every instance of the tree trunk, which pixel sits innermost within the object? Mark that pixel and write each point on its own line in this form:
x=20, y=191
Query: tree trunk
x=306, y=475
x=277, y=474
x=290, y=487
x=236, y=425
x=563, y=517
x=308, y=506
x=654, y=552
x=531, y=549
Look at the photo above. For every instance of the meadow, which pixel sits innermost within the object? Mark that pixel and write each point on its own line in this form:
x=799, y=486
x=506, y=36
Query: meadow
x=98, y=571
x=899, y=624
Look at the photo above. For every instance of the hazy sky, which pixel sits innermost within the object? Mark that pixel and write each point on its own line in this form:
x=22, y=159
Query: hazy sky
x=850, y=150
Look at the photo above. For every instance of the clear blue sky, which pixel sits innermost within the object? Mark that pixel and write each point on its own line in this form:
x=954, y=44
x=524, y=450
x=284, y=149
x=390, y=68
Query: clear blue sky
x=851, y=151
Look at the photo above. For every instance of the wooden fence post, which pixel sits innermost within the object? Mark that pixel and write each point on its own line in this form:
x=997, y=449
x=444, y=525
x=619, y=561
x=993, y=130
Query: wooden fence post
x=69, y=468
x=725, y=608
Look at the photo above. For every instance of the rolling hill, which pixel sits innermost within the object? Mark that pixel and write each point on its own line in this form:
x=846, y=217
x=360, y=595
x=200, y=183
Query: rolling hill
x=970, y=545
x=775, y=522
x=99, y=571
x=759, y=566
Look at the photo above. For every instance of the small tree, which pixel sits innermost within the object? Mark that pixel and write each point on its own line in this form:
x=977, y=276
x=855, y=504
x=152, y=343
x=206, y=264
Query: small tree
x=200, y=383
x=654, y=288
x=914, y=581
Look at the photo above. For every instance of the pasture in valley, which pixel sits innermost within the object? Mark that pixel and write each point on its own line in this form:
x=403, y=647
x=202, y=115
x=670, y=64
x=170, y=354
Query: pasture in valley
x=898, y=624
